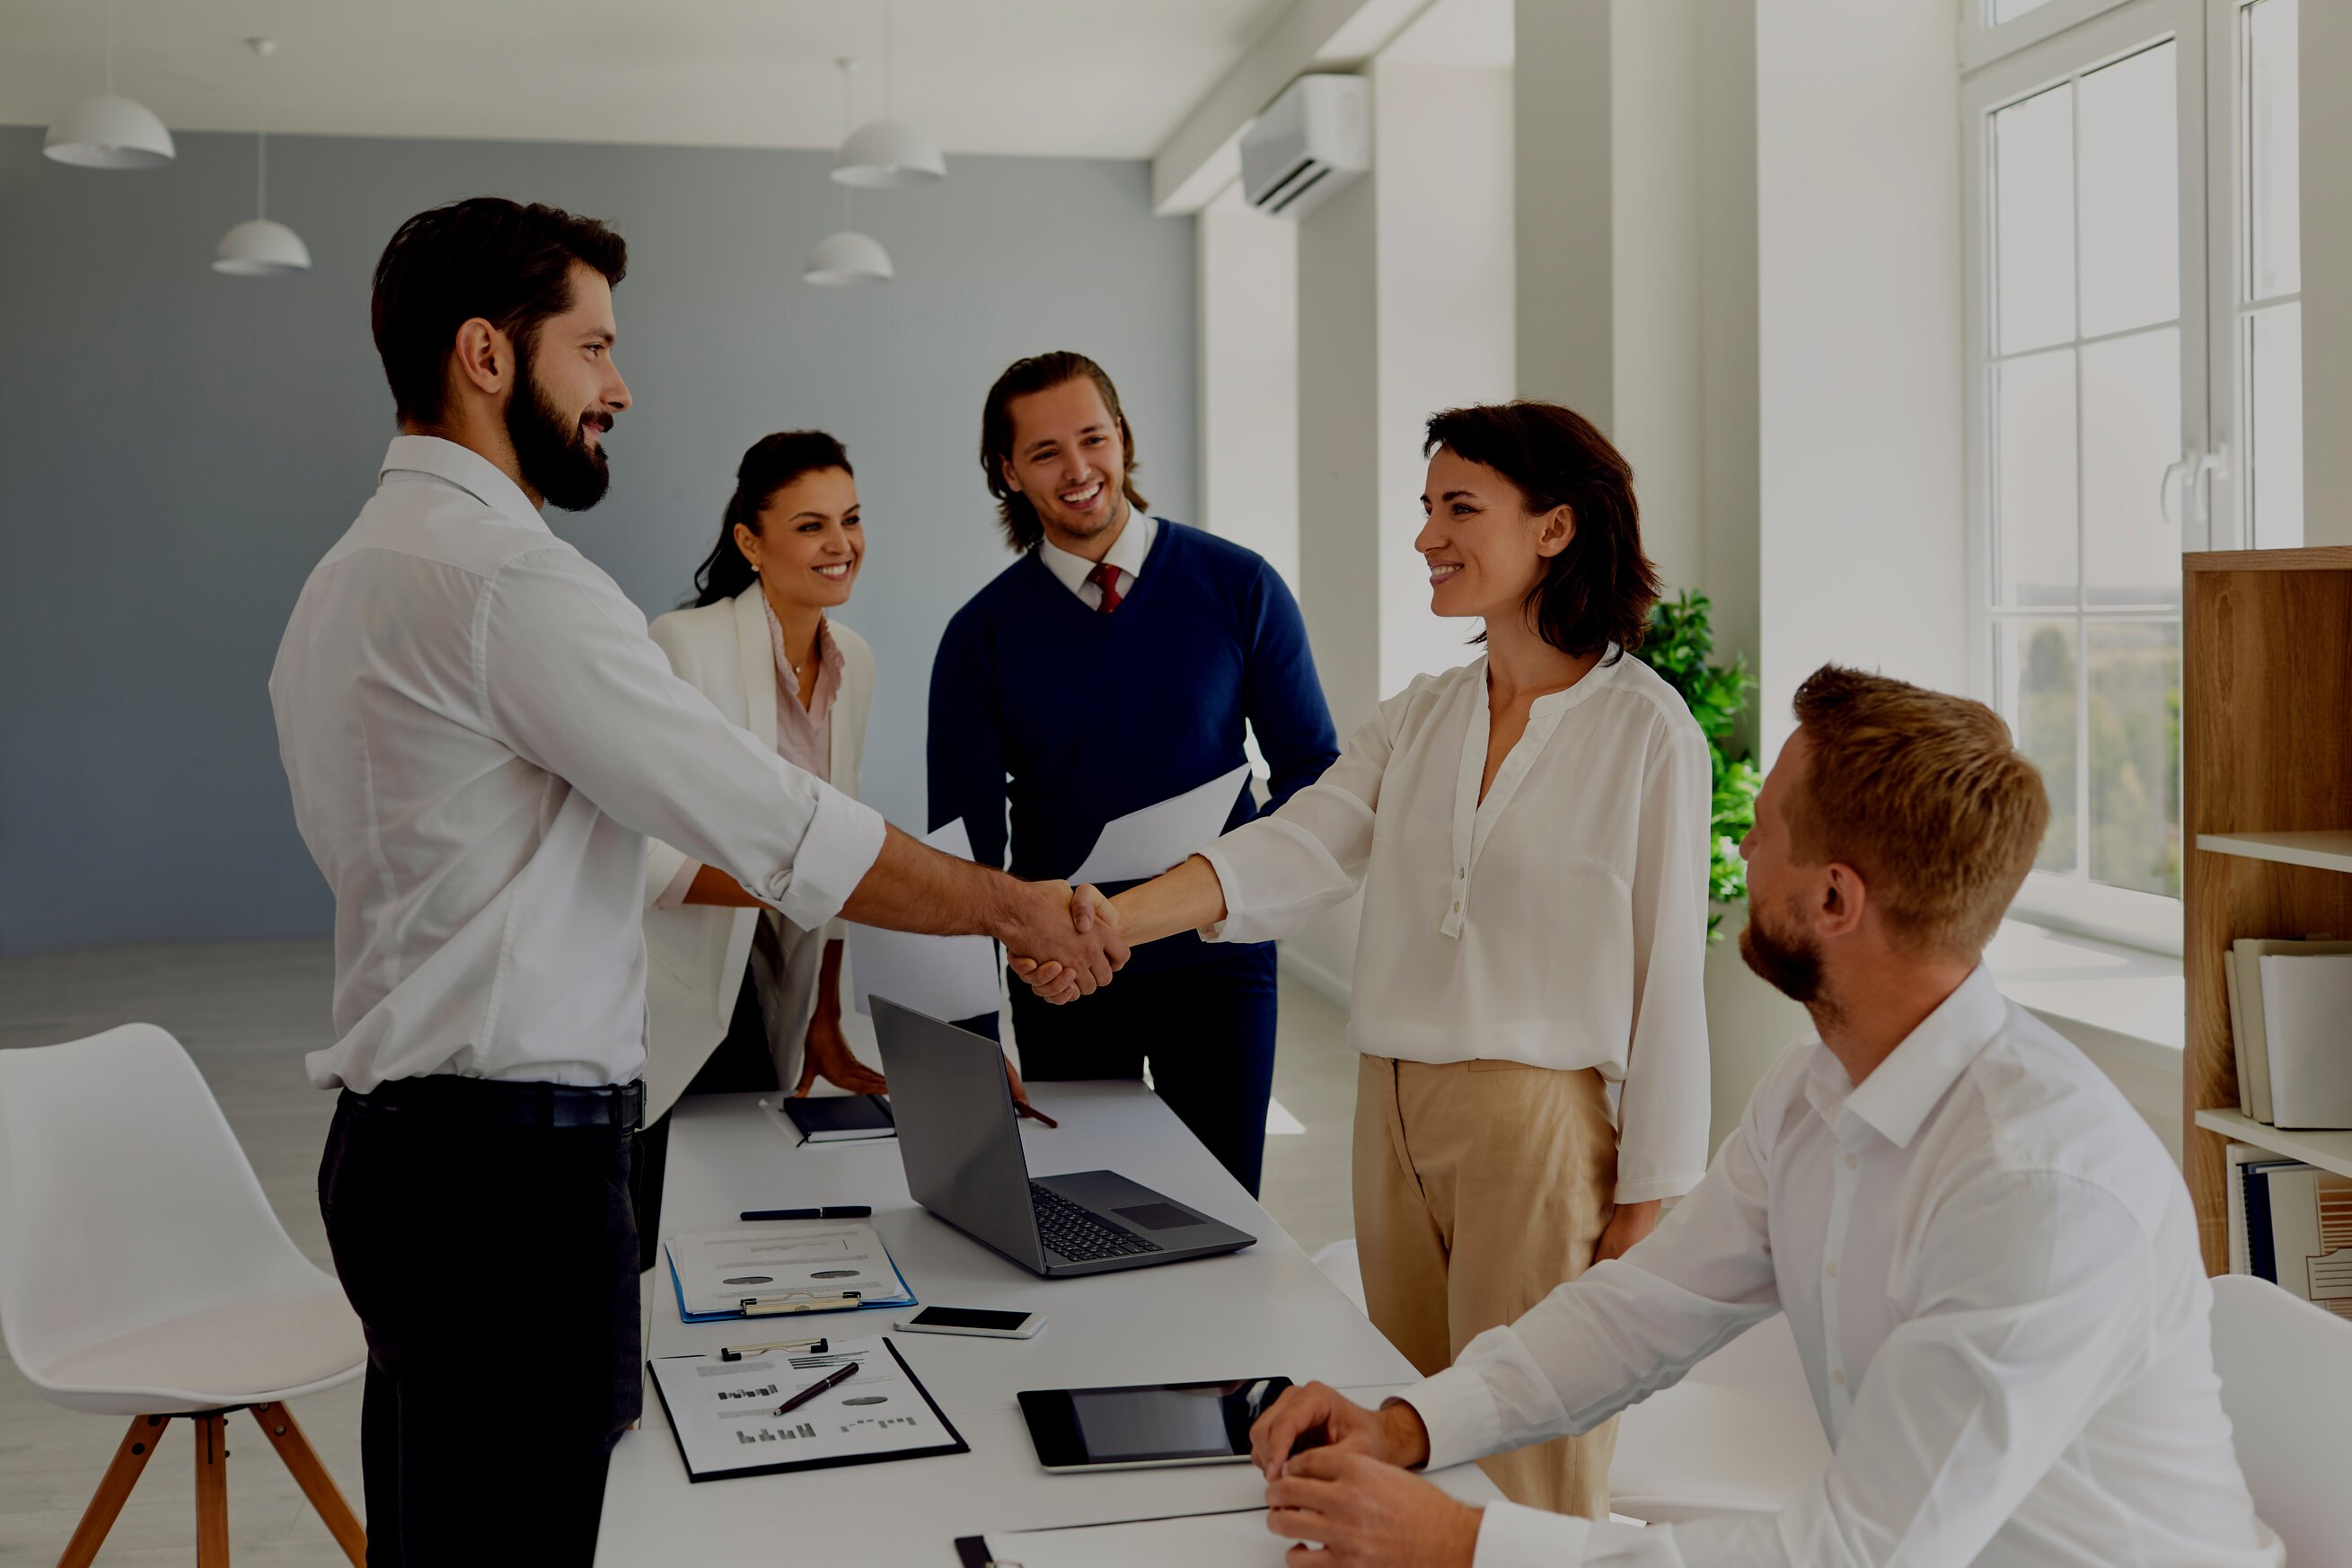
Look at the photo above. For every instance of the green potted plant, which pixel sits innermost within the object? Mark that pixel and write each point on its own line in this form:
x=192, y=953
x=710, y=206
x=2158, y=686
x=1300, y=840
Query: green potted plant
x=1678, y=646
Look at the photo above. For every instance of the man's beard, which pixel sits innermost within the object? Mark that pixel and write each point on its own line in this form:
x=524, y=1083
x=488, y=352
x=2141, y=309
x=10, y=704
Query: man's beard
x=1790, y=964
x=553, y=451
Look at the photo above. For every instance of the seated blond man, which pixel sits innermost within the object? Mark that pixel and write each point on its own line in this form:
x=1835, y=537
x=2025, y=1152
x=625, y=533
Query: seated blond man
x=1988, y=1260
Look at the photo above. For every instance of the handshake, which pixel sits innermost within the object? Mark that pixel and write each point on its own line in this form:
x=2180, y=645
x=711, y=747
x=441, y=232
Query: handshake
x=1064, y=942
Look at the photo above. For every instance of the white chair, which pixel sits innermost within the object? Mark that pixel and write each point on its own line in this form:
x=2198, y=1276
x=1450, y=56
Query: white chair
x=1738, y=1434
x=2286, y=1380
x=143, y=1273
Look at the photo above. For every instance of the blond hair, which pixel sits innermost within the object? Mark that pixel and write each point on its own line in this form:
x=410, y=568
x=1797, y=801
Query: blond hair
x=1925, y=794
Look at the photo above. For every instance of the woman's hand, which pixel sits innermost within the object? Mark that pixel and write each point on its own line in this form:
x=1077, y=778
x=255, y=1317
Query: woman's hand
x=1629, y=1225
x=829, y=1057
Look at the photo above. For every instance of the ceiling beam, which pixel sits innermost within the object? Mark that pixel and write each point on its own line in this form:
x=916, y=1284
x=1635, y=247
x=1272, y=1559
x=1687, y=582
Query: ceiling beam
x=1203, y=155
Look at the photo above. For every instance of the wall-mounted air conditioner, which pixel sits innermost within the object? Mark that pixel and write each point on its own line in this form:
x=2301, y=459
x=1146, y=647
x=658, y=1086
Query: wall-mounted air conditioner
x=1311, y=141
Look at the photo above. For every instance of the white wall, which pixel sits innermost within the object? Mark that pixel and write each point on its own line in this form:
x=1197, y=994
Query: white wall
x=1442, y=165
x=1249, y=379
x=2327, y=155
x=1858, y=347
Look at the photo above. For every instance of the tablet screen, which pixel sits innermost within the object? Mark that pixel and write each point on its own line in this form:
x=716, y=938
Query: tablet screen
x=1158, y=1423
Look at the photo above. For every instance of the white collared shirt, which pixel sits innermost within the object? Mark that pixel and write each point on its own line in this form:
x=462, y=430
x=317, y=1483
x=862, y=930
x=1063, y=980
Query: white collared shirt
x=1560, y=922
x=1127, y=552
x=1991, y=1269
x=478, y=734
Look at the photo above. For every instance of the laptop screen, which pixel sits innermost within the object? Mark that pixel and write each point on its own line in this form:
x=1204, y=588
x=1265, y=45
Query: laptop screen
x=957, y=1134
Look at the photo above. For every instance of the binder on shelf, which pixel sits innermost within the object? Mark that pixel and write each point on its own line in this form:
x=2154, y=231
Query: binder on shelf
x=2237, y=1042
x=2307, y=1031
x=2299, y=1231
x=2249, y=1033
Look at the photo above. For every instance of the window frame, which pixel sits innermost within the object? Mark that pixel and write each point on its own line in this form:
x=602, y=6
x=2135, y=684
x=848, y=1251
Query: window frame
x=2066, y=40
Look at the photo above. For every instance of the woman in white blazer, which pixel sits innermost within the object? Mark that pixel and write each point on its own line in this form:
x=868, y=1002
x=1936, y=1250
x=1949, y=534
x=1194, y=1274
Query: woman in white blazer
x=738, y=998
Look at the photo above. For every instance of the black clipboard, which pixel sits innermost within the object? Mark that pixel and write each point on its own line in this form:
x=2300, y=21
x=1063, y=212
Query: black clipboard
x=958, y=1447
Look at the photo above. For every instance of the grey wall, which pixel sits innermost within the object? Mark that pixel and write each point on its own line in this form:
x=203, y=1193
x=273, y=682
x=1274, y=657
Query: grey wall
x=178, y=447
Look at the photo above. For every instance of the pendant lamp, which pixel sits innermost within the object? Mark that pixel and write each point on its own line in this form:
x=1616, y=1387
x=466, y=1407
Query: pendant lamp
x=107, y=131
x=848, y=256
x=888, y=151
x=258, y=247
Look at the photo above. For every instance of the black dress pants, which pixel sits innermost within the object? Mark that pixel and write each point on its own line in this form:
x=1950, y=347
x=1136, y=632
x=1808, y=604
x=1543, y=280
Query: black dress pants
x=494, y=1269
x=1207, y=1030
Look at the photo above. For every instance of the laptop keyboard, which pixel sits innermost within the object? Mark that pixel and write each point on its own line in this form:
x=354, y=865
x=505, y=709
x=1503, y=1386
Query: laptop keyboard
x=1077, y=1234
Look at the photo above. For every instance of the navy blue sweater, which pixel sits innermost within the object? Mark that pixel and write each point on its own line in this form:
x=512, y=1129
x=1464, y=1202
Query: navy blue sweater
x=1078, y=717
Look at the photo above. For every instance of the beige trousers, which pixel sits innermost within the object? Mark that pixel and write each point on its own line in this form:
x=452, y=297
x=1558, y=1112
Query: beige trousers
x=1479, y=1186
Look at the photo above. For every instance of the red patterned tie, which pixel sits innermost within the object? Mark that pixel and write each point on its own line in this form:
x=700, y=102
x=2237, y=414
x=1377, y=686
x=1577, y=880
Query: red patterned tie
x=1105, y=577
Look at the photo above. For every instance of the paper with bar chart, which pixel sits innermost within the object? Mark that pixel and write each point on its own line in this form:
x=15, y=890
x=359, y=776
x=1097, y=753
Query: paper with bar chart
x=723, y=1413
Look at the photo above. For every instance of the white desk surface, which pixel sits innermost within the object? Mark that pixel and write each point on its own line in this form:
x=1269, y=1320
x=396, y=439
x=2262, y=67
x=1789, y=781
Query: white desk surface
x=1265, y=1310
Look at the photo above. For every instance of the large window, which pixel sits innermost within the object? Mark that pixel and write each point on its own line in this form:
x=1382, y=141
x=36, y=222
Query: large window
x=2136, y=390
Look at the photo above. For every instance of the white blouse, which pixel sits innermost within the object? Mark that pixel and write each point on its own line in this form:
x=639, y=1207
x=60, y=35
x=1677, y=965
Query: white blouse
x=1560, y=922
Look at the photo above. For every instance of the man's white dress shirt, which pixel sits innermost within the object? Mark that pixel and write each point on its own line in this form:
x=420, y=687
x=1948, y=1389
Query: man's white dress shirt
x=1560, y=922
x=1126, y=553
x=479, y=735
x=1991, y=1269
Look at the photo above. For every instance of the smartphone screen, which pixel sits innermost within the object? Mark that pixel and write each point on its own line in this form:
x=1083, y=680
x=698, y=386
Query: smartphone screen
x=969, y=1318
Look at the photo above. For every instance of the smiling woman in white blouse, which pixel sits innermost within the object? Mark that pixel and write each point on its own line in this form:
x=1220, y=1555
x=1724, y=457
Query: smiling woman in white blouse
x=1531, y=834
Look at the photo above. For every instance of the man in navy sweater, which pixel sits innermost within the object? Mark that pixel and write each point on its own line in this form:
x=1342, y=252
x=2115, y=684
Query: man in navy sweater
x=1113, y=665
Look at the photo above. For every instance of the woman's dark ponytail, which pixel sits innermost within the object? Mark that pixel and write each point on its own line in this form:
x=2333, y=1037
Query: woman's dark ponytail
x=773, y=462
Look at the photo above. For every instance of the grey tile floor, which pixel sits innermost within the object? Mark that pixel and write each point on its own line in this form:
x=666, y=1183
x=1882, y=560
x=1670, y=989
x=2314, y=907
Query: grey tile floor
x=246, y=1014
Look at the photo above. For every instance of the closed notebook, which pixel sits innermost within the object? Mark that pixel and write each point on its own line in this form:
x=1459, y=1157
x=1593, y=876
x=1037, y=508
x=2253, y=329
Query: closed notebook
x=840, y=1118
x=2255, y=1061
x=2307, y=1032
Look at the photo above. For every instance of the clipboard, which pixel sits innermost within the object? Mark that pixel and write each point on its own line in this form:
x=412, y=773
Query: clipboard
x=817, y=1305
x=783, y=1466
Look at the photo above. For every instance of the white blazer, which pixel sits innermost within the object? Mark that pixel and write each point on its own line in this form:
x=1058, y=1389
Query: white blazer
x=696, y=952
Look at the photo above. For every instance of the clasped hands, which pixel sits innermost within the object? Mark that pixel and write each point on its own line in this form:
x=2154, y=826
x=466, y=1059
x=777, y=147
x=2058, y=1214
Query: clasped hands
x=1338, y=1475
x=1066, y=944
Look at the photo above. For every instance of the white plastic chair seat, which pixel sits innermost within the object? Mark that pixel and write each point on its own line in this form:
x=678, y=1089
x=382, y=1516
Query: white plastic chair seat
x=1738, y=1434
x=241, y=1353
x=2286, y=1380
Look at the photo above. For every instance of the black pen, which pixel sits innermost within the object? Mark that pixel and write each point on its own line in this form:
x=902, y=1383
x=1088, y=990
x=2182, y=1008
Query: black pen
x=832, y=1380
x=838, y=1211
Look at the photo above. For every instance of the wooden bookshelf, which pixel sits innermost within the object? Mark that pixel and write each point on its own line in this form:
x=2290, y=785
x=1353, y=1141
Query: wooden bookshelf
x=2266, y=758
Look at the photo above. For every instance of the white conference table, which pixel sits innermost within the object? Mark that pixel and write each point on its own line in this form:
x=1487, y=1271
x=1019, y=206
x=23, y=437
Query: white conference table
x=1265, y=1310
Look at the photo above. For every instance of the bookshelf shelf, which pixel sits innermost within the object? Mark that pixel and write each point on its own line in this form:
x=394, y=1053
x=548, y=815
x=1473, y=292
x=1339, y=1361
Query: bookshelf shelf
x=2265, y=739
x=2330, y=850
x=2330, y=1151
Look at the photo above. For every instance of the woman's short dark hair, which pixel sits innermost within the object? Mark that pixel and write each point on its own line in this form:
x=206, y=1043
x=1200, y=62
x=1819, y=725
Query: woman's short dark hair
x=1040, y=373
x=773, y=462
x=1599, y=589
x=488, y=256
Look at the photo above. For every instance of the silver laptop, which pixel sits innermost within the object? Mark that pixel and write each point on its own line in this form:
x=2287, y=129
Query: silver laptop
x=960, y=1142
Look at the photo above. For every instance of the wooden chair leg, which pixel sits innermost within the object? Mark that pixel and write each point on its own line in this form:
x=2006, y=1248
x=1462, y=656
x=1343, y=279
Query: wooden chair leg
x=113, y=1489
x=277, y=1424
x=212, y=1491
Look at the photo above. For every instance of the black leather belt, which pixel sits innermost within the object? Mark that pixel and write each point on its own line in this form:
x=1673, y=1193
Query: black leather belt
x=492, y=1102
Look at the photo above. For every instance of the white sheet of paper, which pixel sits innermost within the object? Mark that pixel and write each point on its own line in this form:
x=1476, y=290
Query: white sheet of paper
x=716, y=1270
x=1148, y=842
x=724, y=1412
x=949, y=978
x=1229, y=1540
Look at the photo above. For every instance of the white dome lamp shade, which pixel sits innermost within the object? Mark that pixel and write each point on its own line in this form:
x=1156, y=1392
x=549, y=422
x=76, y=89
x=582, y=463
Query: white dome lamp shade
x=848, y=256
x=258, y=247
x=889, y=151
x=110, y=131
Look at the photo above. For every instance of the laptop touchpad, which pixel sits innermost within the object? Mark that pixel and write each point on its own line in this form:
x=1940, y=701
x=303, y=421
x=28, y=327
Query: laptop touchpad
x=1157, y=1216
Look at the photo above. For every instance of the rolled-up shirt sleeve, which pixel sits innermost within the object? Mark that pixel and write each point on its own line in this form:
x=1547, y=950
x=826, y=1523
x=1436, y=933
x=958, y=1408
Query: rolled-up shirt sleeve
x=1664, y=1110
x=567, y=676
x=1289, y=866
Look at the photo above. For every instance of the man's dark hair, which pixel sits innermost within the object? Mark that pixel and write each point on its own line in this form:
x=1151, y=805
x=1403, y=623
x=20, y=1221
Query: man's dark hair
x=773, y=462
x=488, y=256
x=1038, y=373
x=1599, y=589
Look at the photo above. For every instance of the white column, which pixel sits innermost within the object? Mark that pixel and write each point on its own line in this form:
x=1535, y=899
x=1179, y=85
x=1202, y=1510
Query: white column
x=1249, y=380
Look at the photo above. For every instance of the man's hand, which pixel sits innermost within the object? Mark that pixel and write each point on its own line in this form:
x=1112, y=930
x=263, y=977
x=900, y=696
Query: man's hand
x=1021, y=1106
x=1325, y=1417
x=828, y=1056
x=1075, y=957
x=1367, y=1514
x=1629, y=1225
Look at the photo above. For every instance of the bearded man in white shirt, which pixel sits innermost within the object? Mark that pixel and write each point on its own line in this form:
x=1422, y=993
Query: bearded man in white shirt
x=479, y=735
x=1988, y=1260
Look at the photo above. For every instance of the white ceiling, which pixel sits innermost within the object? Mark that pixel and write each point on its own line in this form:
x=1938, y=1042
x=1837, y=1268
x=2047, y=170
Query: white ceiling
x=1054, y=78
